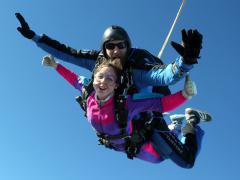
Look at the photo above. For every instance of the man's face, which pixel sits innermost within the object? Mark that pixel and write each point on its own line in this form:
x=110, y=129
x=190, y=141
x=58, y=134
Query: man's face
x=116, y=49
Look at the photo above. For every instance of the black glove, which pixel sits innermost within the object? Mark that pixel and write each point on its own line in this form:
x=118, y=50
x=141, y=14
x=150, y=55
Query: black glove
x=24, y=29
x=192, y=44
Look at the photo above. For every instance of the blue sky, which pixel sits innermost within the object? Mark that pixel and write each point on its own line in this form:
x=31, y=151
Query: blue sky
x=43, y=134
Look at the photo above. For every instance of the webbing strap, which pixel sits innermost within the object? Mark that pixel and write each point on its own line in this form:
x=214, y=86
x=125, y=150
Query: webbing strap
x=112, y=137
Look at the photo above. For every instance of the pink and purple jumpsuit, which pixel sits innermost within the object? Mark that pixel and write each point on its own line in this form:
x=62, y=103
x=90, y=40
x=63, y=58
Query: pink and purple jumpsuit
x=102, y=117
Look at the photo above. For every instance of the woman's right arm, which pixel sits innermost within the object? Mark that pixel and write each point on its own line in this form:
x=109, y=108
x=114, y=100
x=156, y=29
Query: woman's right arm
x=75, y=80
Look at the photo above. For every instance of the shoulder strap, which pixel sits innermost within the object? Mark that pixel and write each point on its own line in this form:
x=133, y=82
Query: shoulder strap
x=82, y=100
x=121, y=113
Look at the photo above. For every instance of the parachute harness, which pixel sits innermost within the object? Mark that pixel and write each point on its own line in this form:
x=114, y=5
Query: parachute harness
x=132, y=143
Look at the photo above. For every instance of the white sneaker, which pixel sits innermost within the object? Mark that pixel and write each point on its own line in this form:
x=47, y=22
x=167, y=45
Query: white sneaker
x=195, y=116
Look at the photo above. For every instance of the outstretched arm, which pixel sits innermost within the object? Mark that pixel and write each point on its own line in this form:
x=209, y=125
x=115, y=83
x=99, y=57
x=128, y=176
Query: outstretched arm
x=161, y=75
x=164, y=104
x=84, y=59
x=173, y=72
x=70, y=76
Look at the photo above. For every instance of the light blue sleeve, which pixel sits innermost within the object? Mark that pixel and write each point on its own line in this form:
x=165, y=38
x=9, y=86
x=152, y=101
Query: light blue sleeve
x=82, y=81
x=169, y=75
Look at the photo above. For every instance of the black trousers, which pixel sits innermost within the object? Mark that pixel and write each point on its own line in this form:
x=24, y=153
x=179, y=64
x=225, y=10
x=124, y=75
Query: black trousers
x=169, y=146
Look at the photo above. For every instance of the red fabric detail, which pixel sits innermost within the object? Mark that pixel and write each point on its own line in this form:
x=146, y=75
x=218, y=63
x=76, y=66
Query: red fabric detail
x=172, y=101
x=70, y=76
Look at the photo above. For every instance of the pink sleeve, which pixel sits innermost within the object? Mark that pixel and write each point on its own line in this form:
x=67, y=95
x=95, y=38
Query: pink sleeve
x=70, y=76
x=172, y=101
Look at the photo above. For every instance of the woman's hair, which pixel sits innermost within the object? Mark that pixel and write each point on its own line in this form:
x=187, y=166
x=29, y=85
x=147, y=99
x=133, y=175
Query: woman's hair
x=115, y=64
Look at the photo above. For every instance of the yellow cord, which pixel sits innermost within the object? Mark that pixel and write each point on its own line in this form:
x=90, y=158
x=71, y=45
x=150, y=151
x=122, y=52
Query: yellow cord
x=170, y=31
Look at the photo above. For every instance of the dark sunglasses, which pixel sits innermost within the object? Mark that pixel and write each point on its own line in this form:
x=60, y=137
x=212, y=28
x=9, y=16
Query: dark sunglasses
x=111, y=46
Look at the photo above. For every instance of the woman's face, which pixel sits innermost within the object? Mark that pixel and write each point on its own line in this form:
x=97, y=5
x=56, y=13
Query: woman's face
x=104, y=82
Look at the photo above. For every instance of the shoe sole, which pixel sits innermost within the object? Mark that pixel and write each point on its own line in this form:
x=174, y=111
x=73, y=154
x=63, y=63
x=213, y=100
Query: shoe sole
x=204, y=116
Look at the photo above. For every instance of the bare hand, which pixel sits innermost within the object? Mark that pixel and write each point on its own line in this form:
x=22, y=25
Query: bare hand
x=190, y=88
x=49, y=61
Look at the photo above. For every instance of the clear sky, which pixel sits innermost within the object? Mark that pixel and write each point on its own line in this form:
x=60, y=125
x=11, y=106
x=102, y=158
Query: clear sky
x=43, y=134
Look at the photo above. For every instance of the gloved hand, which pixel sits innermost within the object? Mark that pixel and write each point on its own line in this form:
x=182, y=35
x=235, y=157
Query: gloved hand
x=24, y=29
x=49, y=61
x=190, y=88
x=191, y=46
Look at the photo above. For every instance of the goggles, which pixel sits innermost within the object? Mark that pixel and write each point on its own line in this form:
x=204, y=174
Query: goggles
x=111, y=46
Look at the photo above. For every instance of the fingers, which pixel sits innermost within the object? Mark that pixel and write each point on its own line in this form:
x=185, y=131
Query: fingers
x=179, y=48
x=51, y=57
x=20, y=30
x=19, y=17
x=190, y=87
x=197, y=34
x=190, y=32
x=197, y=38
x=46, y=58
x=46, y=61
x=22, y=21
x=184, y=35
x=194, y=38
x=49, y=61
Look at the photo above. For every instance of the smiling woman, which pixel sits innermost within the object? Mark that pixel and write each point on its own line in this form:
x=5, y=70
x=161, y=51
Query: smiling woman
x=106, y=80
x=100, y=113
x=43, y=134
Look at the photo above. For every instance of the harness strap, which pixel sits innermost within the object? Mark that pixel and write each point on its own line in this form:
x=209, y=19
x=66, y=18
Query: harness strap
x=121, y=113
x=133, y=143
x=105, y=140
x=112, y=137
x=82, y=100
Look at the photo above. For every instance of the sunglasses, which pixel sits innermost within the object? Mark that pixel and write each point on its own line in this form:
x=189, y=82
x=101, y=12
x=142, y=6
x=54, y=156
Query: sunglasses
x=111, y=46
